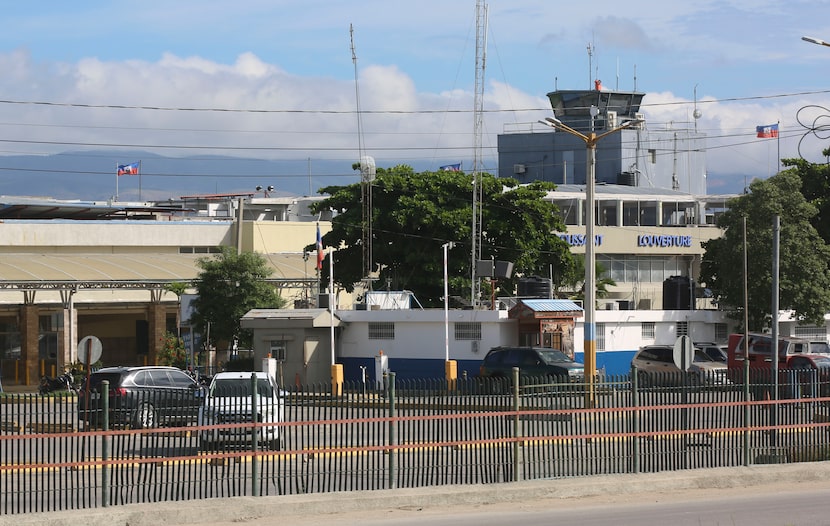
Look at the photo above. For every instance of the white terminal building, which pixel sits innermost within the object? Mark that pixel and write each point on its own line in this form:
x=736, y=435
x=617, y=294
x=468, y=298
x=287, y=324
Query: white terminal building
x=72, y=269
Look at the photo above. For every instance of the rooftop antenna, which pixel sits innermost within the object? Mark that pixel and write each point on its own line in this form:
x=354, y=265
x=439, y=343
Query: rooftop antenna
x=696, y=113
x=590, y=65
x=367, y=175
x=635, y=77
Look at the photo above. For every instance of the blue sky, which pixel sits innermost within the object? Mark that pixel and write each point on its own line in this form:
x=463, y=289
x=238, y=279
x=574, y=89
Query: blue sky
x=285, y=70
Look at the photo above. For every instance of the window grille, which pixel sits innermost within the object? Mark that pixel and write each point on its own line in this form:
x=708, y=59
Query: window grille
x=381, y=330
x=468, y=330
x=682, y=329
x=647, y=330
x=600, y=336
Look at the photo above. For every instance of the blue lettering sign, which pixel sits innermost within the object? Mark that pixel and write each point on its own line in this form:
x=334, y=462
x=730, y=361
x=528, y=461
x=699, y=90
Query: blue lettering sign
x=662, y=241
x=578, y=240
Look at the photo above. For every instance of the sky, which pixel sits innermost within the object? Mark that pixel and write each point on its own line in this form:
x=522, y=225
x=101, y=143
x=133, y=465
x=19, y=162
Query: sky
x=283, y=79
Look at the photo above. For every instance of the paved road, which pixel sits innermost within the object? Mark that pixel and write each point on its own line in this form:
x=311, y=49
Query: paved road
x=796, y=504
x=664, y=498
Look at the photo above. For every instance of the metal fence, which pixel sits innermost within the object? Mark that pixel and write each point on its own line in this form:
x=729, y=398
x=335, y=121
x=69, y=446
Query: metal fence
x=410, y=434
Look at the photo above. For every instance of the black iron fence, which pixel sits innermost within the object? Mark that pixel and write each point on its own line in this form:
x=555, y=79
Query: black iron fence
x=321, y=438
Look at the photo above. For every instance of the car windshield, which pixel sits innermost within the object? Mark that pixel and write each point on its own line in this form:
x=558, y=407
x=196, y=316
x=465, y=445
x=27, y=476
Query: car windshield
x=553, y=356
x=240, y=387
x=701, y=356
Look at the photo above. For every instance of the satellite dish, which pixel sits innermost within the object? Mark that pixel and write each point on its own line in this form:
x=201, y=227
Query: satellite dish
x=89, y=350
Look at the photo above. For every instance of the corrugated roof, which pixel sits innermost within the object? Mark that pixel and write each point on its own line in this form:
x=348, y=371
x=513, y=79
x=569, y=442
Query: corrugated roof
x=130, y=267
x=544, y=305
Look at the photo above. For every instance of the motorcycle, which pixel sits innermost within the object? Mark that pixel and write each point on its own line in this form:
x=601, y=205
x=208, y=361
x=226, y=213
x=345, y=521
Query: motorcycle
x=64, y=382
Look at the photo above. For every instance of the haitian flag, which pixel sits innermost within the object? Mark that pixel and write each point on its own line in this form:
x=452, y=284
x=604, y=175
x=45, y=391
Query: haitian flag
x=450, y=168
x=767, y=131
x=319, y=249
x=128, y=169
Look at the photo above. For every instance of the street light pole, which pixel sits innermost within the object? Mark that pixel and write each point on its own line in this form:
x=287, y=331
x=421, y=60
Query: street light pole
x=446, y=247
x=589, y=327
x=818, y=41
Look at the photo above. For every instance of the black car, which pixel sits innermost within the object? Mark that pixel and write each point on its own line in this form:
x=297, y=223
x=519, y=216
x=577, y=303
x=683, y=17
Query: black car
x=531, y=361
x=140, y=397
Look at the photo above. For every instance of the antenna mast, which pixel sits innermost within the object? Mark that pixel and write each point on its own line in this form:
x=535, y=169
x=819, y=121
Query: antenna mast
x=367, y=175
x=478, y=111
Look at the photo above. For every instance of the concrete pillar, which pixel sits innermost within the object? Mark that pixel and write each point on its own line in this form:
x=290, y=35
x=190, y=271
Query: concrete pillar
x=156, y=327
x=30, y=352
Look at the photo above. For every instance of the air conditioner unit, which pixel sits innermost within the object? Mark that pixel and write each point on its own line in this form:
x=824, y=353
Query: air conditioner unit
x=519, y=168
x=641, y=124
x=611, y=119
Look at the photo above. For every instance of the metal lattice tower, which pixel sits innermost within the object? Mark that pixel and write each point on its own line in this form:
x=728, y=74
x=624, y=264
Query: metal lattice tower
x=478, y=112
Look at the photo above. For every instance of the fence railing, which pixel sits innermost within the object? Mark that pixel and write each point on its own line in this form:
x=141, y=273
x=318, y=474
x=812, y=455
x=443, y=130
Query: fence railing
x=411, y=434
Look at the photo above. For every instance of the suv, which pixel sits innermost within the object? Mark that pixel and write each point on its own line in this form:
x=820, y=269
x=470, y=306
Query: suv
x=656, y=367
x=229, y=401
x=140, y=397
x=531, y=361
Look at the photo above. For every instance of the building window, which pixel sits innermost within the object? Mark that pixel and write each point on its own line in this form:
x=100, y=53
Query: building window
x=381, y=330
x=682, y=329
x=647, y=330
x=652, y=155
x=600, y=336
x=810, y=333
x=468, y=330
x=720, y=332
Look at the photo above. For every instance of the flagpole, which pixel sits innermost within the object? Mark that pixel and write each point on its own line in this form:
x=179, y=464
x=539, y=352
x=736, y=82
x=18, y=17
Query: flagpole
x=778, y=139
x=139, y=180
x=332, y=299
x=116, y=182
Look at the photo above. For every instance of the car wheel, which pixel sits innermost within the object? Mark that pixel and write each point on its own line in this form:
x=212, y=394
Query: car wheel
x=145, y=417
x=275, y=444
x=206, y=445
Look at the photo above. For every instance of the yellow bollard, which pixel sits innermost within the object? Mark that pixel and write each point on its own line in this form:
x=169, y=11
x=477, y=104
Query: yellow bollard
x=337, y=379
x=451, y=374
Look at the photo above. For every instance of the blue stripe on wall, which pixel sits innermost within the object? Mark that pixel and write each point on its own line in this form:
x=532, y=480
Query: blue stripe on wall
x=612, y=362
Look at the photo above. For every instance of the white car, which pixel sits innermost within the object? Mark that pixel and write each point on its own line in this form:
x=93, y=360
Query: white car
x=228, y=401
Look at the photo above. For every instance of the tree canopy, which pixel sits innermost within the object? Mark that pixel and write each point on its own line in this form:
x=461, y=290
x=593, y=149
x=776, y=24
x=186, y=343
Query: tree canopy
x=228, y=286
x=415, y=214
x=804, y=281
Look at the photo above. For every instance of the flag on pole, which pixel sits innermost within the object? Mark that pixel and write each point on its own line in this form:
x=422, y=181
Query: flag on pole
x=451, y=167
x=767, y=131
x=319, y=249
x=129, y=169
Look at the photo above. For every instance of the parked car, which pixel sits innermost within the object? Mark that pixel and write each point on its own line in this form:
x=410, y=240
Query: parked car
x=713, y=350
x=229, y=401
x=809, y=375
x=656, y=368
x=140, y=397
x=531, y=361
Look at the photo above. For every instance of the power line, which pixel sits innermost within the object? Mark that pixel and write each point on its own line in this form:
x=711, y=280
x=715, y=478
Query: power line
x=380, y=112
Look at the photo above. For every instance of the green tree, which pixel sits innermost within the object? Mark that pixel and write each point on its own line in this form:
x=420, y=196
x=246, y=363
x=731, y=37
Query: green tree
x=815, y=186
x=804, y=283
x=577, y=280
x=414, y=214
x=228, y=286
x=172, y=351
